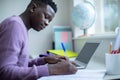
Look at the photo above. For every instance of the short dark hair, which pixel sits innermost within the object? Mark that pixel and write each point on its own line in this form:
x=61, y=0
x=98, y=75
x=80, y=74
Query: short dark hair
x=49, y=2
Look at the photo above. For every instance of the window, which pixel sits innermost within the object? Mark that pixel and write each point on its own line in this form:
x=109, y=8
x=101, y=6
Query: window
x=108, y=17
x=111, y=15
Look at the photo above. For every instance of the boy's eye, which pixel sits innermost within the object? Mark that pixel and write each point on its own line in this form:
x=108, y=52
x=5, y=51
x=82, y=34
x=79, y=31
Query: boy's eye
x=46, y=16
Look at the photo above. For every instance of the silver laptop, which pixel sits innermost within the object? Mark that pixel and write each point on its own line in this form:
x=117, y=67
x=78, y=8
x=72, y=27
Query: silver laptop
x=85, y=54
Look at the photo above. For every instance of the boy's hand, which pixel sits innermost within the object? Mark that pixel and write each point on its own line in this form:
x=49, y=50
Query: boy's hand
x=62, y=67
x=54, y=59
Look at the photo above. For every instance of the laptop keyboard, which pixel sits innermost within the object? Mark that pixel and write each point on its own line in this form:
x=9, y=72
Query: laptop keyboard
x=77, y=65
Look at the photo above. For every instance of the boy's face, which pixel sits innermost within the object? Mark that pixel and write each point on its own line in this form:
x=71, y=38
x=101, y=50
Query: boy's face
x=41, y=17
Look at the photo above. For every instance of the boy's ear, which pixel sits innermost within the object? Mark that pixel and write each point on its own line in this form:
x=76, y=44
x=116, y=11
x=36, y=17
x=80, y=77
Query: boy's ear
x=33, y=7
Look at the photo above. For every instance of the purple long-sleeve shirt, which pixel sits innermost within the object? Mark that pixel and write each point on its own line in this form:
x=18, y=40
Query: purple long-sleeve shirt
x=14, y=60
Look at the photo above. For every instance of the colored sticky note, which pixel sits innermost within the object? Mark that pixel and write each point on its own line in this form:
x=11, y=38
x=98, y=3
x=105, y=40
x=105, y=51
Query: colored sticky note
x=61, y=53
x=64, y=36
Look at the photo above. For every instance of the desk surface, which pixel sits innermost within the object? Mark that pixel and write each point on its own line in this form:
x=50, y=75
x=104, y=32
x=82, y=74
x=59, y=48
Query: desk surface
x=80, y=75
x=97, y=65
x=108, y=77
x=94, y=71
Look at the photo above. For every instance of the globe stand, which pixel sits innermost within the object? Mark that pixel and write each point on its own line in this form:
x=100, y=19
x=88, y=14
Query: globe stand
x=85, y=32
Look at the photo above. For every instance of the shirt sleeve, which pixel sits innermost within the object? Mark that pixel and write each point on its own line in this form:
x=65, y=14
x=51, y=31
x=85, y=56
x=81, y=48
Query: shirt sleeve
x=10, y=49
x=12, y=72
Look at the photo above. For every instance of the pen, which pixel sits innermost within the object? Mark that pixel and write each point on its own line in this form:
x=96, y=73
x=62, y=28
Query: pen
x=64, y=49
x=119, y=50
x=44, y=55
x=110, y=48
x=115, y=51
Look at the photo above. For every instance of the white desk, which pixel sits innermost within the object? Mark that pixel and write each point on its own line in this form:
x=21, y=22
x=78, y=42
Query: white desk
x=80, y=75
x=94, y=71
x=98, y=66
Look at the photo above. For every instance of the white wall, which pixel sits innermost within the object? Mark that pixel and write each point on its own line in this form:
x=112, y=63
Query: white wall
x=41, y=41
x=12, y=7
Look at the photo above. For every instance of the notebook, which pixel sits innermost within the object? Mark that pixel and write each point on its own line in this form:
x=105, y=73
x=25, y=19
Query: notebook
x=85, y=54
x=81, y=74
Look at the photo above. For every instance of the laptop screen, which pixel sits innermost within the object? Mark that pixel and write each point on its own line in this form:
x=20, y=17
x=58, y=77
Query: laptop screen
x=87, y=51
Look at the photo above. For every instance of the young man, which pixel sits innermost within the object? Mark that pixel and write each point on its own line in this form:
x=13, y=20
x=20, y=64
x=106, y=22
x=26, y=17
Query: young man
x=14, y=61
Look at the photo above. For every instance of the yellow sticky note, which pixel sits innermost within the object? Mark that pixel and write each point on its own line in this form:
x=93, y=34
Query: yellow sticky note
x=69, y=53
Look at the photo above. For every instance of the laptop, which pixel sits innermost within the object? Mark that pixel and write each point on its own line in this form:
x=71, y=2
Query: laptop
x=85, y=54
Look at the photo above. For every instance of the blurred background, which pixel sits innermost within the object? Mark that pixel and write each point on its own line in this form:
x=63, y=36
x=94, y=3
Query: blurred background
x=106, y=22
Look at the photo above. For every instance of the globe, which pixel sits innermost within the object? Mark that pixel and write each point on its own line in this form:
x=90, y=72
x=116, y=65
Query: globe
x=83, y=15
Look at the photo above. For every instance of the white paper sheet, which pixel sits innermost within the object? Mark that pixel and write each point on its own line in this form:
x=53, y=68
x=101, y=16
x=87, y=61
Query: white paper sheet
x=80, y=75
